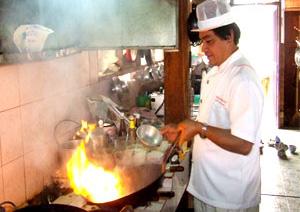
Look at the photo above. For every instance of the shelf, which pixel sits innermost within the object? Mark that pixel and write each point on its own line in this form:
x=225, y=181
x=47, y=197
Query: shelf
x=292, y=9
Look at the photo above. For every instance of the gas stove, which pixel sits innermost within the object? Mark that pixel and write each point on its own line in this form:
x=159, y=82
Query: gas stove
x=152, y=201
x=165, y=196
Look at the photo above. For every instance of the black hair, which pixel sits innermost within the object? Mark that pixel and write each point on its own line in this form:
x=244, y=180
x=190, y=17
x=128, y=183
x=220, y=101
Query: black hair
x=224, y=32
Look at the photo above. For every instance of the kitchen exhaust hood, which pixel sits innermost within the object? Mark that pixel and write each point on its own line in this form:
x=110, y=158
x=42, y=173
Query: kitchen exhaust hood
x=74, y=25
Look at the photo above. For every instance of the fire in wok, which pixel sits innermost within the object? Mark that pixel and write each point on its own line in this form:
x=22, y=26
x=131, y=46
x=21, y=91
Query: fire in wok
x=91, y=181
x=98, y=182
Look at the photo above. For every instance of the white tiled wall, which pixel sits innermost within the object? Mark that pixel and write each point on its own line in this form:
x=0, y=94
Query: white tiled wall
x=9, y=87
x=34, y=98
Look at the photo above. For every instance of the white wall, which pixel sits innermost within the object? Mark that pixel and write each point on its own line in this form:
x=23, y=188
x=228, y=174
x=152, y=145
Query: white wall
x=259, y=42
x=34, y=98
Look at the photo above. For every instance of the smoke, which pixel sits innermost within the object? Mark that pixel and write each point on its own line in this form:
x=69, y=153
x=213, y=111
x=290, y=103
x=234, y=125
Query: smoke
x=92, y=24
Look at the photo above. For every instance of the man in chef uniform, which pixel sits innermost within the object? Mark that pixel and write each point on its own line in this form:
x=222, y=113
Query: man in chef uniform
x=225, y=174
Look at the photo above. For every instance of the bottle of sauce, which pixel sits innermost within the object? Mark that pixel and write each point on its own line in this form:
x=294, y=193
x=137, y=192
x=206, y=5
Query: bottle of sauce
x=122, y=128
x=131, y=134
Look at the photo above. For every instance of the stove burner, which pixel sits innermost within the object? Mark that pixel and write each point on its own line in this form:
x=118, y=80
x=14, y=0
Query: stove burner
x=50, y=195
x=96, y=208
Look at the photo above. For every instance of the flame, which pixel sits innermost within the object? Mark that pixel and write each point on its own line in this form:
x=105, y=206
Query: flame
x=85, y=130
x=91, y=181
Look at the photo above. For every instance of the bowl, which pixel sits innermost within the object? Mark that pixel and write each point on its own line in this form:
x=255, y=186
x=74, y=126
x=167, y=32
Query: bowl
x=149, y=135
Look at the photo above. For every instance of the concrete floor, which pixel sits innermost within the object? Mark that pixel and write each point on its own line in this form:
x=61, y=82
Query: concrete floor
x=280, y=180
x=280, y=189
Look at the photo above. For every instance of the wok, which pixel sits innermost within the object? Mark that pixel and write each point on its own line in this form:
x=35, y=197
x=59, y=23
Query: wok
x=142, y=182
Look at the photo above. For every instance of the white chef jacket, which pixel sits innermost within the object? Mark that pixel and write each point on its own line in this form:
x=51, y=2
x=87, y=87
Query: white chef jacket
x=231, y=98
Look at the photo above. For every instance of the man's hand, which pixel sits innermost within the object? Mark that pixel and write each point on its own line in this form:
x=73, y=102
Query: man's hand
x=170, y=132
x=188, y=129
x=185, y=131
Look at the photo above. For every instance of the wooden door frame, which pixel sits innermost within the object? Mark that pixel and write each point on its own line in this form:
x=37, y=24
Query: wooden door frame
x=176, y=69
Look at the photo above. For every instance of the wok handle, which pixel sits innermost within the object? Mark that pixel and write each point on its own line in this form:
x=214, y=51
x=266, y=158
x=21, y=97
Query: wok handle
x=127, y=208
x=168, y=194
x=170, y=150
x=176, y=168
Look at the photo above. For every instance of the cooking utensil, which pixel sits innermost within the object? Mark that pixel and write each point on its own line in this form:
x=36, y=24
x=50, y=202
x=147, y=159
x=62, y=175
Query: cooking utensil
x=70, y=208
x=141, y=181
x=149, y=135
x=63, y=132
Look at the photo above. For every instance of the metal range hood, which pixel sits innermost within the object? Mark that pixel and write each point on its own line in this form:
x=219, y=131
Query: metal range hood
x=89, y=24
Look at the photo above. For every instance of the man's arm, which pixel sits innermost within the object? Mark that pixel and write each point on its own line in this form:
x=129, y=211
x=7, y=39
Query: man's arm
x=226, y=140
x=221, y=137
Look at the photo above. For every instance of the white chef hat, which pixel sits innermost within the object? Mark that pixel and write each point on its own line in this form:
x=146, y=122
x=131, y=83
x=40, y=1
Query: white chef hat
x=212, y=14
